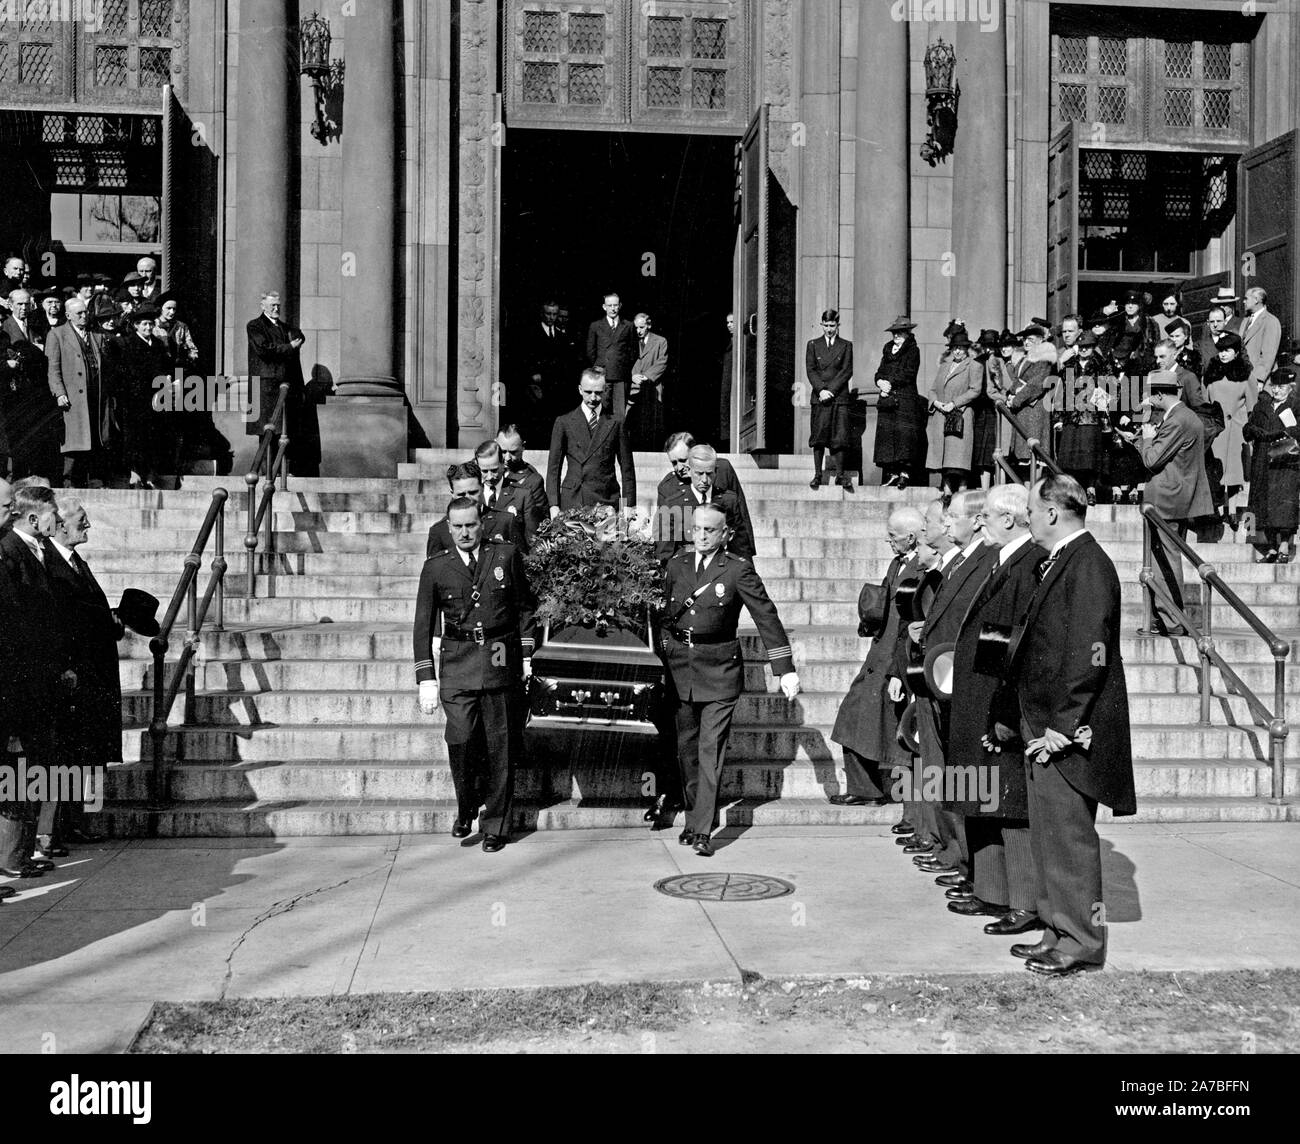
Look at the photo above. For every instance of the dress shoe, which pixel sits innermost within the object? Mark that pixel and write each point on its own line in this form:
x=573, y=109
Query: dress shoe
x=1028, y=951
x=846, y=483
x=975, y=908
x=959, y=894
x=1017, y=921
x=461, y=828
x=685, y=838
x=816, y=482
x=902, y=480
x=44, y=865
x=52, y=850
x=902, y=828
x=493, y=842
x=948, y=881
x=659, y=808
x=26, y=870
x=850, y=800
x=7, y=892
x=917, y=846
x=1054, y=963
x=702, y=845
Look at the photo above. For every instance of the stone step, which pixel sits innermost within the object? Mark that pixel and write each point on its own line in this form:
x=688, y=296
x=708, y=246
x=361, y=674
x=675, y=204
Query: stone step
x=242, y=819
x=323, y=780
x=421, y=741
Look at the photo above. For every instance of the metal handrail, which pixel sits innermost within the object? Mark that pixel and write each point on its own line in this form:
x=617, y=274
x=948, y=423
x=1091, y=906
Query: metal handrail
x=1038, y=456
x=264, y=465
x=1212, y=582
x=165, y=692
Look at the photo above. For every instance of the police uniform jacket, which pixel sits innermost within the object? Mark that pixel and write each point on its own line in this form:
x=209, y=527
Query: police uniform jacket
x=674, y=517
x=454, y=606
x=537, y=505
x=498, y=526
x=512, y=500
x=708, y=608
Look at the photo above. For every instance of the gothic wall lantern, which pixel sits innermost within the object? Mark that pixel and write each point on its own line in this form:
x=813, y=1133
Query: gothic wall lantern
x=326, y=78
x=942, y=94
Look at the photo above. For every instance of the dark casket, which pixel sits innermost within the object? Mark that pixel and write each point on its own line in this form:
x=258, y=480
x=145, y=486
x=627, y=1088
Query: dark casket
x=604, y=677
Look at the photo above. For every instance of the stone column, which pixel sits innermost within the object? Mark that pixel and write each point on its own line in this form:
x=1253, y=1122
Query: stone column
x=370, y=201
x=266, y=161
x=881, y=193
x=979, y=179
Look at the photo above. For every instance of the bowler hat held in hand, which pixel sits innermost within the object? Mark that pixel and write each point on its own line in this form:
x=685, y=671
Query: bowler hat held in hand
x=139, y=612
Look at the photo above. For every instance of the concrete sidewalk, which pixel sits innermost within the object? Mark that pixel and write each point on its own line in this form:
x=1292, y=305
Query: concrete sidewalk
x=86, y=950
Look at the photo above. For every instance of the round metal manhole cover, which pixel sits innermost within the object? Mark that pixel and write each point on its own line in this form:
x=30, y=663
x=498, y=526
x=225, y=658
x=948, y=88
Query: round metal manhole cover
x=724, y=887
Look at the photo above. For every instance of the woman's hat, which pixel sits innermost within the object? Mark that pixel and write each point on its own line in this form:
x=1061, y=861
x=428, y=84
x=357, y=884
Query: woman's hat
x=1181, y=323
x=1282, y=377
x=103, y=308
x=953, y=329
x=988, y=339
x=901, y=325
x=1228, y=341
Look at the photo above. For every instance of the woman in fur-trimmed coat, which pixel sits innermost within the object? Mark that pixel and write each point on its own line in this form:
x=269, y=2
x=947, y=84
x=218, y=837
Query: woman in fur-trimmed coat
x=1033, y=367
x=958, y=382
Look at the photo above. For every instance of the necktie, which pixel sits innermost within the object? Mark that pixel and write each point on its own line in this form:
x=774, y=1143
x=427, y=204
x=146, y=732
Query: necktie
x=550, y=331
x=473, y=564
x=591, y=421
x=1044, y=567
x=643, y=345
x=957, y=563
x=491, y=495
x=79, y=566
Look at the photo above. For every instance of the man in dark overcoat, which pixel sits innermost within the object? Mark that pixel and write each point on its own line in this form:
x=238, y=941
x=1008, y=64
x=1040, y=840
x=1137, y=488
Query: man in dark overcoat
x=273, y=358
x=677, y=502
x=829, y=364
x=612, y=347
x=1066, y=667
x=585, y=444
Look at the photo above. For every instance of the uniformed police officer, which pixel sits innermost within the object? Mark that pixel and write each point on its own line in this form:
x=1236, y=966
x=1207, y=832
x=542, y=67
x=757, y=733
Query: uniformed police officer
x=705, y=589
x=474, y=638
x=498, y=526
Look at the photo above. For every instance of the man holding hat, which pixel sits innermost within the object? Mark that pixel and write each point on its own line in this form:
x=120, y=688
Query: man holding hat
x=1178, y=486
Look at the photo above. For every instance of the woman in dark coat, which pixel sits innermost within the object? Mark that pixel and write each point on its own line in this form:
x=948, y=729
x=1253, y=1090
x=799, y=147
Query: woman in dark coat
x=900, y=413
x=1225, y=377
x=986, y=416
x=136, y=361
x=1081, y=445
x=829, y=362
x=1275, y=484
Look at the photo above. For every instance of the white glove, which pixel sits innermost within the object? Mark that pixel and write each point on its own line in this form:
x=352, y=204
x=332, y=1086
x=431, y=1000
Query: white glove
x=790, y=684
x=895, y=689
x=528, y=667
x=429, y=696
x=555, y=511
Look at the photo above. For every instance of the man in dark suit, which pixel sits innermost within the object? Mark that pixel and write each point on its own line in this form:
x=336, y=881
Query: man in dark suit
x=1066, y=667
x=1178, y=486
x=523, y=476
x=90, y=732
x=962, y=578
x=31, y=420
x=612, y=346
x=997, y=821
x=829, y=365
x=1216, y=325
x=675, y=510
x=496, y=525
x=867, y=723
x=678, y=449
x=590, y=439
x=473, y=639
x=41, y=678
x=500, y=496
x=705, y=590
x=1167, y=363
x=273, y=349
x=550, y=362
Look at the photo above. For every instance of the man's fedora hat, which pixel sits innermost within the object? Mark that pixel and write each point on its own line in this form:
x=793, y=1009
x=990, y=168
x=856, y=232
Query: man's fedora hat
x=938, y=670
x=1163, y=383
x=901, y=325
x=1224, y=294
x=139, y=612
x=871, y=610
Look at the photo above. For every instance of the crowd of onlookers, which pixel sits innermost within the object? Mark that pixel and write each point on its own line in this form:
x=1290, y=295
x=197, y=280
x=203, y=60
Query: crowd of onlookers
x=84, y=370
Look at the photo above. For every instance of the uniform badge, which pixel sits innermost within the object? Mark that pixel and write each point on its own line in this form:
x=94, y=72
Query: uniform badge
x=500, y=574
x=513, y=510
x=719, y=591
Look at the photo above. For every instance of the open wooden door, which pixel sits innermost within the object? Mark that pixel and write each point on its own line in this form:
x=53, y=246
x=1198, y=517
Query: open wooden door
x=1062, y=224
x=763, y=394
x=1197, y=296
x=1268, y=221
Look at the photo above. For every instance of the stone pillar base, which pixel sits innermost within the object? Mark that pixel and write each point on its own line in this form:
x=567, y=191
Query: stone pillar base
x=362, y=435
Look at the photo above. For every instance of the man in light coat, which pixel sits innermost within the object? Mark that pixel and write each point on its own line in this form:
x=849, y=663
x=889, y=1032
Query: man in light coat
x=1261, y=337
x=76, y=354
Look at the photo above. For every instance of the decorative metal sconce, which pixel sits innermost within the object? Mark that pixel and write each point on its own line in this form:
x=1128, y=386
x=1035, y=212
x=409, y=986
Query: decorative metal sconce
x=314, y=41
x=942, y=94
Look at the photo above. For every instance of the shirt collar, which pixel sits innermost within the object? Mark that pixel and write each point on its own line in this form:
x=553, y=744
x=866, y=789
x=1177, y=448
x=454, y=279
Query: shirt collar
x=465, y=556
x=1009, y=550
x=66, y=553
x=948, y=557
x=34, y=544
x=1059, y=546
x=973, y=547
x=703, y=562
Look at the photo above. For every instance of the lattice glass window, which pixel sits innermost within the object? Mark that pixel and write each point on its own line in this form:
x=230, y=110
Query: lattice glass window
x=1178, y=106
x=1133, y=166
x=156, y=18
x=1217, y=109
x=665, y=36
x=709, y=39
x=54, y=128
x=90, y=129
x=664, y=87
x=6, y=67
x=36, y=63
x=1112, y=56
x=38, y=15
x=708, y=88
x=69, y=168
x=1072, y=55
x=110, y=66
x=587, y=34
x=115, y=17
x=541, y=82
x=1217, y=65
x=149, y=132
x=1178, y=203
x=541, y=31
x=1073, y=103
x=155, y=66
x=110, y=169
x=1098, y=165
x=1115, y=204
x=587, y=83
x=1216, y=188
x=1178, y=59
x=1112, y=104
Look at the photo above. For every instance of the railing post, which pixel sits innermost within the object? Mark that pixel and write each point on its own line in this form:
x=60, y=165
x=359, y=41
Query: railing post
x=158, y=728
x=1277, y=730
x=219, y=570
x=250, y=536
x=1147, y=595
x=1206, y=641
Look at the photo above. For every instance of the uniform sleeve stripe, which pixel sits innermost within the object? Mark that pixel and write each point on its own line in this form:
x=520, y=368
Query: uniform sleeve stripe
x=780, y=652
x=423, y=663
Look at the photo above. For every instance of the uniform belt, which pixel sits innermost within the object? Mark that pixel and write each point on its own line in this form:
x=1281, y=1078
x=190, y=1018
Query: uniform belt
x=476, y=635
x=690, y=639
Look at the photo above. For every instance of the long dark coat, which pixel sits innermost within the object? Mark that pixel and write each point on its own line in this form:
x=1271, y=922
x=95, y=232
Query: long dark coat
x=900, y=418
x=868, y=719
x=830, y=368
x=1080, y=448
x=1029, y=384
x=1274, y=488
x=1002, y=600
x=134, y=367
x=1066, y=666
